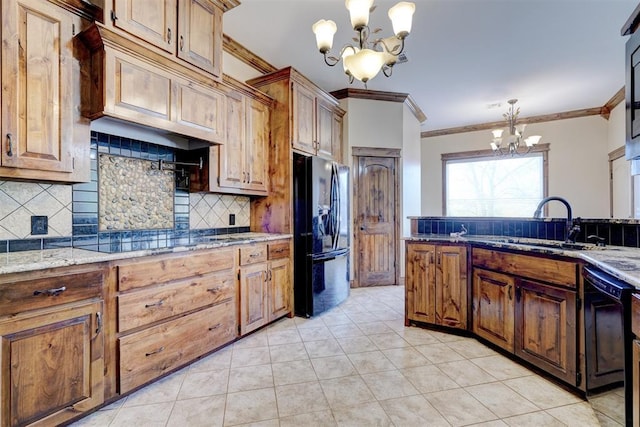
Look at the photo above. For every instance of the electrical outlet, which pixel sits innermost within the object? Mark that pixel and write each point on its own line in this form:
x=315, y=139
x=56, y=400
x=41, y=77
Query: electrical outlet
x=232, y=219
x=39, y=225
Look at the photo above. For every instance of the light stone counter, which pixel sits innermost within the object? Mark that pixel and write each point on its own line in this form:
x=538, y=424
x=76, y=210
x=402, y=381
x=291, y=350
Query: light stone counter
x=621, y=262
x=16, y=262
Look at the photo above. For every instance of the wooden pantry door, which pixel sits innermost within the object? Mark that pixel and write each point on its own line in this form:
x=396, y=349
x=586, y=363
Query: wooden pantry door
x=376, y=221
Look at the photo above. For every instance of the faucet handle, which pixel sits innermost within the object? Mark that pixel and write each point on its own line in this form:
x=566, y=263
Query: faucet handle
x=599, y=241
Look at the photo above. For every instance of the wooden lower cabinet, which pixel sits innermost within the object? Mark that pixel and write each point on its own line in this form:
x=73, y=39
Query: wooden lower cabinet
x=172, y=309
x=546, y=325
x=154, y=351
x=265, y=284
x=436, y=281
x=52, y=364
x=494, y=307
x=636, y=382
x=254, y=291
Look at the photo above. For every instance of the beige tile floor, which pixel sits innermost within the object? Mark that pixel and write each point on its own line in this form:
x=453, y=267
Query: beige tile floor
x=356, y=365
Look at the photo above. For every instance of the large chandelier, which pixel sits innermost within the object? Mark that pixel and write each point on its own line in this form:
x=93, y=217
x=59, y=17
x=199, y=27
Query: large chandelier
x=365, y=60
x=515, y=138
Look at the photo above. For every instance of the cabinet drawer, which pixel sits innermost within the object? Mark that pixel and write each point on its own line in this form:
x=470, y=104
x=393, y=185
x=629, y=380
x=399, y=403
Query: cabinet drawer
x=150, y=353
x=252, y=254
x=166, y=268
x=278, y=250
x=635, y=314
x=23, y=293
x=555, y=271
x=145, y=306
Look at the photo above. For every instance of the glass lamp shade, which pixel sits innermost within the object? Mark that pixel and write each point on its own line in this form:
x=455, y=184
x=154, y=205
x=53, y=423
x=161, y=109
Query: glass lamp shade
x=365, y=64
x=497, y=133
x=401, y=15
x=359, y=12
x=532, y=140
x=348, y=51
x=324, y=31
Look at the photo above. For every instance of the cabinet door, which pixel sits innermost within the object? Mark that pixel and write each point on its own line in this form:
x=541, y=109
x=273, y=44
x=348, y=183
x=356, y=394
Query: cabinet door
x=546, y=328
x=257, y=146
x=200, y=34
x=324, y=129
x=37, y=86
x=420, y=282
x=304, y=119
x=451, y=286
x=254, y=288
x=200, y=111
x=493, y=307
x=231, y=160
x=279, y=288
x=336, y=140
x=154, y=21
x=52, y=365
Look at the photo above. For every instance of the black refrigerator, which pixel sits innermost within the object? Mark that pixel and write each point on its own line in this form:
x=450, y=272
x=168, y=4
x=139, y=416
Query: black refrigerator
x=321, y=234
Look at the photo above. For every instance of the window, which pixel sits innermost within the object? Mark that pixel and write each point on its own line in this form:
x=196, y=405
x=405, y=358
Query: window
x=480, y=184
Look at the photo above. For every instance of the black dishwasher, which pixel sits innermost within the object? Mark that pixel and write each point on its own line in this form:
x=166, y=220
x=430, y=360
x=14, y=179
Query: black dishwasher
x=608, y=339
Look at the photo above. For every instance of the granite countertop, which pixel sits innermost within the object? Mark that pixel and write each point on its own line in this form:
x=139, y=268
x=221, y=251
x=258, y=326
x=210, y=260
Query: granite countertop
x=16, y=262
x=621, y=262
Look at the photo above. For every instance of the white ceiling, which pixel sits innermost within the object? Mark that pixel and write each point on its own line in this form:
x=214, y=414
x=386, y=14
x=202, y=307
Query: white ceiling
x=553, y=55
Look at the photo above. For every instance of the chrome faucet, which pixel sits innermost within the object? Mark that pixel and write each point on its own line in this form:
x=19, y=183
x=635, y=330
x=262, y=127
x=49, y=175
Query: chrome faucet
x=571, y=229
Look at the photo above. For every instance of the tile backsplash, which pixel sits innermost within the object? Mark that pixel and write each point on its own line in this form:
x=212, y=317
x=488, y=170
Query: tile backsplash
x=74, y=216
x=21, y=200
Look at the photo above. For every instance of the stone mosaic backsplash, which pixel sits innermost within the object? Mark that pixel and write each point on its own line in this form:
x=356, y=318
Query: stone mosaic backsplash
x=134, y=194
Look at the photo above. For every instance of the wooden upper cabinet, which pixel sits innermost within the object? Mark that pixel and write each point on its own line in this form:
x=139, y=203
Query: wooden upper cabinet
x=324, y=129
x=200, y=34
x=40, y=89
x=241, y=165
x=190, y=29
x=314, y=122
x=154, y=21
x=257, y=145
x=303, y=119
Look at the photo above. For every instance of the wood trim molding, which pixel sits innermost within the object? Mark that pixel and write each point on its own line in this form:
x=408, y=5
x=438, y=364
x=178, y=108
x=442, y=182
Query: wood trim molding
x=526, y=120
x=616, y=154
x=375, y=152
x=487, y=153
x=612, y=103
x=378, y=95
x=240, y=52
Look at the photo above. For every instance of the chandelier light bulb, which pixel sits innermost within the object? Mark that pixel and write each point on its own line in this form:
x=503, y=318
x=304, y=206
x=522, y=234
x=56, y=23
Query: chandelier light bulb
x=359, y=12
x=350, y=50
x=401, y=16
x=324, y=31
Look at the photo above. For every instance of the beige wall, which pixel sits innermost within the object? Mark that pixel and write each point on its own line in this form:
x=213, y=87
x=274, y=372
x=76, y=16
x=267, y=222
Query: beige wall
x=578, y=164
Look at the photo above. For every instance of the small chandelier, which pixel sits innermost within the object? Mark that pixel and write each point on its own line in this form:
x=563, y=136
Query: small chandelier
x=365, y=60
x=515, y=139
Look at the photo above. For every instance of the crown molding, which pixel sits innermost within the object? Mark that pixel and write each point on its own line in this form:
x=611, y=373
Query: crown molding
x=603, y=111
x=240, y=52
x=378, y=95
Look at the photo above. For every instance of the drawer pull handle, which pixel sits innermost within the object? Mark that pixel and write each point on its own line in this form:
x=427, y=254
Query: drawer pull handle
x=215, y=290
x=10, y=148
x=98, y=322
x=213, y=328
x=159, y=350
x=155, y=304
x=278, y=251
x=257, y=254
x=51, y=292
